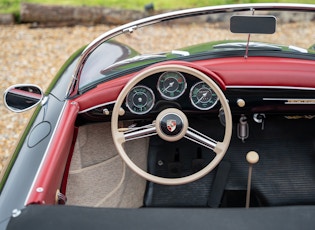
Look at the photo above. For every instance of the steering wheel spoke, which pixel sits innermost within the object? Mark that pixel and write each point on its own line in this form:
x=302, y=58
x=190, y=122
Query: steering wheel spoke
x=201, y=139
x=134, y=133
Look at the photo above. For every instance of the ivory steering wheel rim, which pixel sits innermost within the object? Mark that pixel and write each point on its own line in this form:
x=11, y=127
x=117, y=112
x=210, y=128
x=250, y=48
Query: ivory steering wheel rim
x=220, y=148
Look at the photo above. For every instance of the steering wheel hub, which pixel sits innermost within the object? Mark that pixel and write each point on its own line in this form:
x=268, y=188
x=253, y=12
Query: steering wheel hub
x=171, y=124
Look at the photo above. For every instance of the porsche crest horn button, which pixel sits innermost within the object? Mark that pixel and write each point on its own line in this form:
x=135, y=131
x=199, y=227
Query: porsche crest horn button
x=171, y=124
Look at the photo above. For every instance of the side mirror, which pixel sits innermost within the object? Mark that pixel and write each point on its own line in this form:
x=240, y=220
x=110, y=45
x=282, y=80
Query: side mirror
x=20, y=98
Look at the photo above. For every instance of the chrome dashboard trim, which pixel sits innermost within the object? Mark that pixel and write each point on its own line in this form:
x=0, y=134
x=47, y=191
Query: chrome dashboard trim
x=268, y=87
x=293, y=101
x=96, y=106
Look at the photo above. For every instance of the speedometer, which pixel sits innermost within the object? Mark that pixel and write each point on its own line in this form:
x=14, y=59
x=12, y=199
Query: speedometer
x=140, y=100
x=202, y=96
x=171, y=85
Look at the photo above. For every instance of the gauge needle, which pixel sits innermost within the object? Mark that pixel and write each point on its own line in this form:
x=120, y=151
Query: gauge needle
x=169, y=86
x=203, y=96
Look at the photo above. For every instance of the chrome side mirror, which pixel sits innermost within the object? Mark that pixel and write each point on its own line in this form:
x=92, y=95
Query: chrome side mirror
x=20, y=98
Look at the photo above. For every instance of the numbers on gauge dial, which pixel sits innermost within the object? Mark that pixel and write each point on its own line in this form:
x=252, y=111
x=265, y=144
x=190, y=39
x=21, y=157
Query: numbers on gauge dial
x=171, y=85
x=202, y=96
x=140, y=99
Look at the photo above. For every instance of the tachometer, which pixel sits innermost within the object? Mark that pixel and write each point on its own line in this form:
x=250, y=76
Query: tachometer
x=140, y=100
x=202, y=96
x=171, y=85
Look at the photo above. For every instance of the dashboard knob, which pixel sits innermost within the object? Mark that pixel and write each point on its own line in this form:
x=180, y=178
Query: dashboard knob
x=121, y=112
x=240, y=103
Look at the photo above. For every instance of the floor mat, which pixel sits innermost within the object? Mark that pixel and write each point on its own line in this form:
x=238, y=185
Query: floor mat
x=175, y=160
x=284, y=175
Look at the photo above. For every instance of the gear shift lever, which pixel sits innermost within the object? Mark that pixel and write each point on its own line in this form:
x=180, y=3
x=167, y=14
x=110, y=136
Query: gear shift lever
x=252, y=158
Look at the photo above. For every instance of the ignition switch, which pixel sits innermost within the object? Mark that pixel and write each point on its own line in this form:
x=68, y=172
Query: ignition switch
x=260, y=119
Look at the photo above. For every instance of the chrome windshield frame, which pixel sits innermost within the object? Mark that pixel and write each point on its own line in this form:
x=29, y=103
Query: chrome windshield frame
x=132, y=26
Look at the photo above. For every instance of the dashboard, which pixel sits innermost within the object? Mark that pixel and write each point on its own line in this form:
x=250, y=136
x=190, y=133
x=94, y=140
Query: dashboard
x=281, y=89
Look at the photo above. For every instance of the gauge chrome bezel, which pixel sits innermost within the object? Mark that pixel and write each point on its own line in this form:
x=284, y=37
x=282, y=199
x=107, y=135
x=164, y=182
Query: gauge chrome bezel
x=191, y=97
x=147, y=110
x=169, y=97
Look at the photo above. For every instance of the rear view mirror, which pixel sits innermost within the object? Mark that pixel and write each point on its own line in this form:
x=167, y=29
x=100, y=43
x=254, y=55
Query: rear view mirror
x=253, y=24
x=19, y=98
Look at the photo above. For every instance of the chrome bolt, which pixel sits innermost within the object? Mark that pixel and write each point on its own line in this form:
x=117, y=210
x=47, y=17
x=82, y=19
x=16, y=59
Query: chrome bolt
x=40, y=189
x=16, y=213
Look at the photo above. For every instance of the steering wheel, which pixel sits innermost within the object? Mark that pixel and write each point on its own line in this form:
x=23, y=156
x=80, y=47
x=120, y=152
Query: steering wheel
x=180, y=129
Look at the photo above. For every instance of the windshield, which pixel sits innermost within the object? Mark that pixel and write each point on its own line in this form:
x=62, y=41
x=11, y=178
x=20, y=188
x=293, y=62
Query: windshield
x=199, y=35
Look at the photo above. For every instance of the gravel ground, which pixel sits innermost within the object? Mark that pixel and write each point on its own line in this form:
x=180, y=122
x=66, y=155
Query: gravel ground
x=35, y=55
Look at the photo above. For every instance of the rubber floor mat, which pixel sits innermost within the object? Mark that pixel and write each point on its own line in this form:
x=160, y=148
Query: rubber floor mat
x=173, y=160
x=284, y=175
